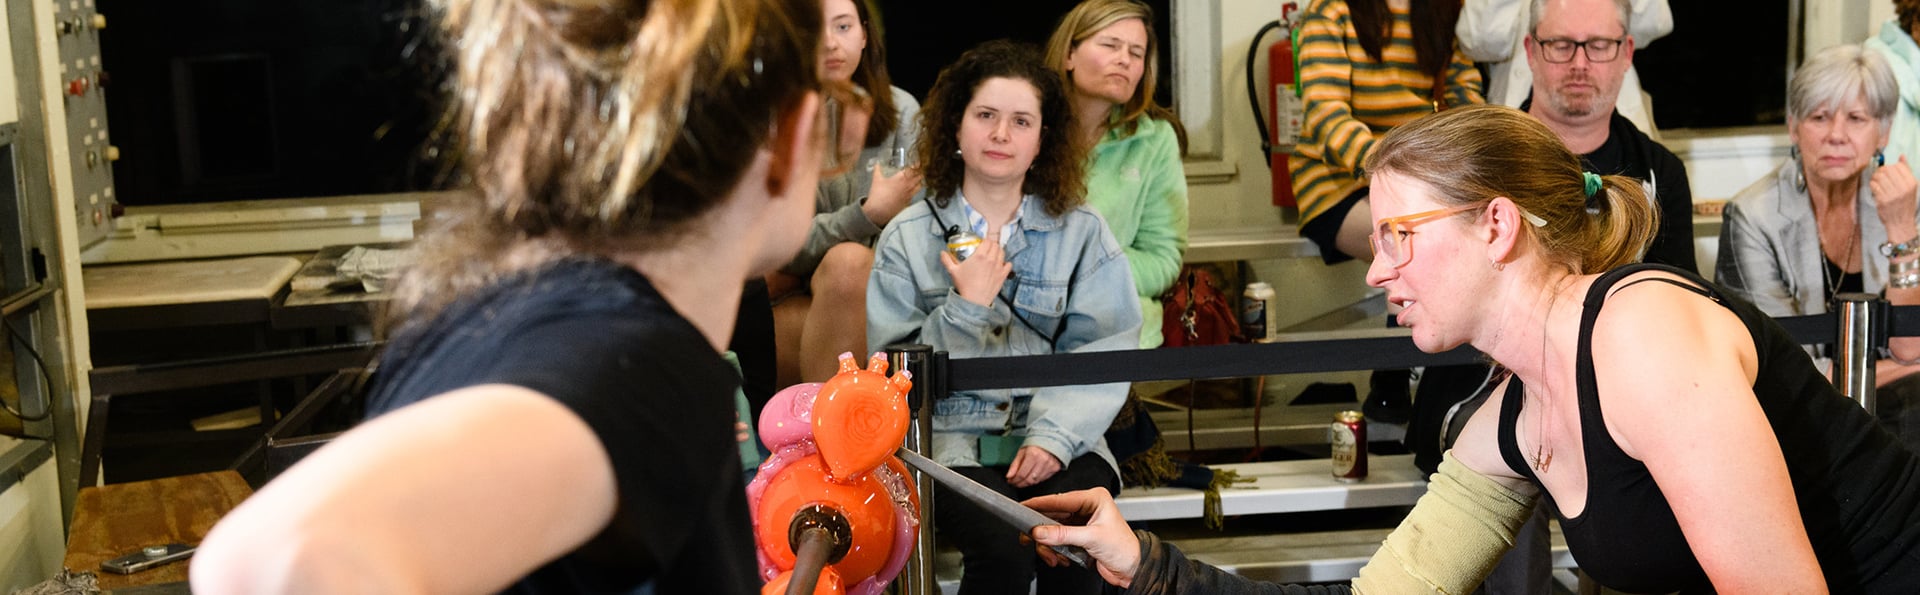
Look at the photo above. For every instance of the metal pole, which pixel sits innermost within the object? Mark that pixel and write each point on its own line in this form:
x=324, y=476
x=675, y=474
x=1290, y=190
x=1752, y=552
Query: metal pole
x=917, y=578
x=819, y=535
x=1862, y=321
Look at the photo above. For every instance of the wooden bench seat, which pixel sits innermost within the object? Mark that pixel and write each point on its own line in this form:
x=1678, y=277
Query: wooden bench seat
x=1311, y=557
x=1215, y=429
x=1306, y=557
x=1251, y=243
x=1285, y=486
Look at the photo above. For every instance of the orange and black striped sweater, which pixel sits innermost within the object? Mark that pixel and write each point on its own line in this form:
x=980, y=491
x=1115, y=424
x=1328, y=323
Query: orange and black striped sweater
x=1351, y=100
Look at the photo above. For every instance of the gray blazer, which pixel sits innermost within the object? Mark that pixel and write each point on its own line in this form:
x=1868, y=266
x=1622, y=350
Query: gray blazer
x=1770, y=246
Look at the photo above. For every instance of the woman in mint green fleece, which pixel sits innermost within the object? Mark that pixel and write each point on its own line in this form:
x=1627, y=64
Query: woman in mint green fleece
x=1896, y=42
x=1105, y=50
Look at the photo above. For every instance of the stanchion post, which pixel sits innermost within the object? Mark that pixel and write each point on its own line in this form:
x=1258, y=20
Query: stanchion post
x=1860, y=332
x=917, y=578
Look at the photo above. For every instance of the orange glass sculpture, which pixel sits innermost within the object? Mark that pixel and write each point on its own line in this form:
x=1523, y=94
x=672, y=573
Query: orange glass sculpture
x=832, y=446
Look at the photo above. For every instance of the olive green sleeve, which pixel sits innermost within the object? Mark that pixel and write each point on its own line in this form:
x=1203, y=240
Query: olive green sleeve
x=1452, y=538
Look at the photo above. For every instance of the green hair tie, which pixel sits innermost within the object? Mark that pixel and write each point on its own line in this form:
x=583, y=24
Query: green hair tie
x=1593, y=183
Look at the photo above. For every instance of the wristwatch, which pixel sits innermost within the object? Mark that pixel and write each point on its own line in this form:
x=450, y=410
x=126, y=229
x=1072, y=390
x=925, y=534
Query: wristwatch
x=1890, y=249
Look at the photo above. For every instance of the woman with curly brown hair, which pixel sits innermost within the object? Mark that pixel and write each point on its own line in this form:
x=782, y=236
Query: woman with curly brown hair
x=552, y=413
x=1002, y=170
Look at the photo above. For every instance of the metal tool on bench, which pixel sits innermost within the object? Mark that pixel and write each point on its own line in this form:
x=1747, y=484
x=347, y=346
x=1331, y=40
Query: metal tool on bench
x=1001, y=506
x=148, y=557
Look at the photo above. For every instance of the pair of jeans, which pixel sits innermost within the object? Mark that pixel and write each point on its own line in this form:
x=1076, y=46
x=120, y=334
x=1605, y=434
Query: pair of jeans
x=994, y=559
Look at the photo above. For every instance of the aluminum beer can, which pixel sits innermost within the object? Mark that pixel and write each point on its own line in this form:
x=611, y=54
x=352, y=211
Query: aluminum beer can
x=1348, y=435
x=962, y=243
x=1256, y=312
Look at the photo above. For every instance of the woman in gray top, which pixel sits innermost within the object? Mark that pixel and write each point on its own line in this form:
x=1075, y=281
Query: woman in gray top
x=831, y=270
x=1832, y=219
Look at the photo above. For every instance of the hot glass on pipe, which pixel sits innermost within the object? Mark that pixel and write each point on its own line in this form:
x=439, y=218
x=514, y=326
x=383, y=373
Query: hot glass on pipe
x=833, y=511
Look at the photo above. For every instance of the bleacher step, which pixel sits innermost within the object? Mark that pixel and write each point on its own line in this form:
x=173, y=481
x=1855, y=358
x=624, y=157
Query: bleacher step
x=1318, y=557
x=1215, y=429
x=1311, y=557
x=1285, y=486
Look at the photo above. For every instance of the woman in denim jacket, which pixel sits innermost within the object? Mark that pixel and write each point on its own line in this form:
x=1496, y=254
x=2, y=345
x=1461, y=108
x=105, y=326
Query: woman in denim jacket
x=1046, y=278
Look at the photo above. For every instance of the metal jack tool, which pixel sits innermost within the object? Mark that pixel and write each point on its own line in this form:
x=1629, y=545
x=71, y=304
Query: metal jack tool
x=1001, y=506
x=148, y=557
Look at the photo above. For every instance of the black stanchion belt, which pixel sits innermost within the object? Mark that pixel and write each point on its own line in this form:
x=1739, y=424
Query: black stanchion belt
x=1290, y=357
x=1212, y=361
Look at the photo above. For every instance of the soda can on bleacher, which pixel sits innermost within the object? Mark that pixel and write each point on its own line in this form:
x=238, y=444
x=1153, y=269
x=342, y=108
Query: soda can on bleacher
x=1256, y=314
x=1348, y=435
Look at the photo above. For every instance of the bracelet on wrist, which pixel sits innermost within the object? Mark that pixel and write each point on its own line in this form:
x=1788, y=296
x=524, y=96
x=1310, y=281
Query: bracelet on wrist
x=1907, y=248
x=1904, y=266
x=1907, y=281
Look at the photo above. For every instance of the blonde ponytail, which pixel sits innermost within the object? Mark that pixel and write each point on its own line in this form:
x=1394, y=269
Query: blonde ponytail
x=1623, y=227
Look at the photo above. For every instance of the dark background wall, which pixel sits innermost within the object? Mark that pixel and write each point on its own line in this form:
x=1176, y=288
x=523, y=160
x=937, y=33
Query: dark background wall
x=1725, y=64
x=924, y=36
x=214, y=100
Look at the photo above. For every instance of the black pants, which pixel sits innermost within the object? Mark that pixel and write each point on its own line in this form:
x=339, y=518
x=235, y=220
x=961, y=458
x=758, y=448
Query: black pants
x=995, y=561
x=1898, y=409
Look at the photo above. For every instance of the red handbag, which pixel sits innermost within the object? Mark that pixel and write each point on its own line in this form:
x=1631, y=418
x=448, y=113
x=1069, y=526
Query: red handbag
x=1197, y=312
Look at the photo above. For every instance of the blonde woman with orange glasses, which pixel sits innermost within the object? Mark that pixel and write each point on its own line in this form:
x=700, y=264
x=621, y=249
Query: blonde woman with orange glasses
x=1682, y=439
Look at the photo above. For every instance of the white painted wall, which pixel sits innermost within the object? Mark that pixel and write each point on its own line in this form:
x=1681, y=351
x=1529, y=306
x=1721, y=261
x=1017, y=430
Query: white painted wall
x=1234, y=189
x=9, y=88
x=1834, y=22
x=32, y=543
x=32, y=534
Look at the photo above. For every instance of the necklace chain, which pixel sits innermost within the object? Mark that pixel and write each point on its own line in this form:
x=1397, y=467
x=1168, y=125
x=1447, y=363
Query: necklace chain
x=1542, y=455
x=1835, y=281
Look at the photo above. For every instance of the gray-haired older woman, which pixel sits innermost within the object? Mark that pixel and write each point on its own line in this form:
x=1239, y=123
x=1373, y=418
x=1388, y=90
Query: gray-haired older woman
x=1831, y=220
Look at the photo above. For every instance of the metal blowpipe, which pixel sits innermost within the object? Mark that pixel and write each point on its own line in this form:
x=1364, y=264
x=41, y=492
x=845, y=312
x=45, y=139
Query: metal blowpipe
x=1001, y=506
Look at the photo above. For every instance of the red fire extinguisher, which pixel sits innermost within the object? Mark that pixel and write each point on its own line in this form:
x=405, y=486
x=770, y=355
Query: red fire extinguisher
x=1287, y=111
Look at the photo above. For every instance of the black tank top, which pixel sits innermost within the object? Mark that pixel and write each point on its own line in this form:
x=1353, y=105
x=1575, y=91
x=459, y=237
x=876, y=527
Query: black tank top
x=1858, y=489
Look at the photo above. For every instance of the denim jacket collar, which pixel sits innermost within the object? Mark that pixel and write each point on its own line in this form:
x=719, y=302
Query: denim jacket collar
x=1033, y=217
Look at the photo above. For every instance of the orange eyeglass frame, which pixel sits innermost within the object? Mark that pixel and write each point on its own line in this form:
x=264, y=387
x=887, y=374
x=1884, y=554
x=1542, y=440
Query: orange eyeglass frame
x=1399, y=250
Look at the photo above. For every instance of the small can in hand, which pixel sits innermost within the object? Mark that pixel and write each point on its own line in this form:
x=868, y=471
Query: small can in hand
x=962, y=243
x=1348, y=435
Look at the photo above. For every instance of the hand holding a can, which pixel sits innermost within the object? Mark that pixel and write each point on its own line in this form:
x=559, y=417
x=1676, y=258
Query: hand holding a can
x=980, y=276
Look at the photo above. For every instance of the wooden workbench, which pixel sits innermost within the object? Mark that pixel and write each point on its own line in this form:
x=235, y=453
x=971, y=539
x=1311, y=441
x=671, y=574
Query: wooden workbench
x=184, y=293
x=113, y=520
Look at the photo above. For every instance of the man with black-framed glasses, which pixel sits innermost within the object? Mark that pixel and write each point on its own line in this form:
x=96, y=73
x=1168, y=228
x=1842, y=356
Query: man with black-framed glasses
x=1580, y=51
x=1494, y=33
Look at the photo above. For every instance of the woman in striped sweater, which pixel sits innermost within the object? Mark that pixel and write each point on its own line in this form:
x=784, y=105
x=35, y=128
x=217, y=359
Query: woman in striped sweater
x=1366, y=66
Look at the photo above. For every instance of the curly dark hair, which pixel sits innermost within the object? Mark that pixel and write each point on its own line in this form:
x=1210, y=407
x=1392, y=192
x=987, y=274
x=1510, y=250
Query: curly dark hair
x=1059, y=170
x=1908, y=11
